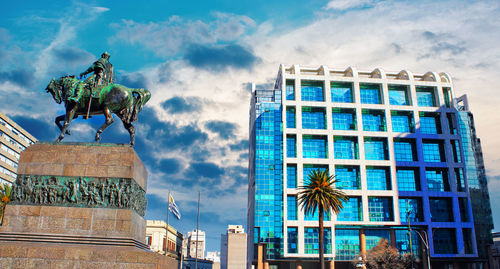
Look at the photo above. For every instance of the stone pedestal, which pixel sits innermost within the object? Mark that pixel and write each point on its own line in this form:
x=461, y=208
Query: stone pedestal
x=72, y=203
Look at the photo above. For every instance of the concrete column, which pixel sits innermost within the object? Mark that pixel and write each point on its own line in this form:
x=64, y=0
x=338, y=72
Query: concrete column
x=260, y=256
x=298, y=265
x=331, y=264
x=362, y=242
x=393, y=238
x=266, y=265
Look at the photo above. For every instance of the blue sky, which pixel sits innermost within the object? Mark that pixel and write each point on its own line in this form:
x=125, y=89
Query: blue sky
x=197, y=58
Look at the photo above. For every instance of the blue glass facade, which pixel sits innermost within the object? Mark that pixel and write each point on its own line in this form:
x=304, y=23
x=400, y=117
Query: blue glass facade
x=345, y=147
x=376, y=148
x=370, y=94
x=291, y=146
x=290, y=90
x=341, y=92
x=347, y=245
x=348, y=177
x=374, y=236
x=433, y=151
x=290, y=117
x=380, y=209
x=378, y=178
x=293, y=239
x=314, y=146
x=311, y=240
x=426, y=96
x=291, y=176
x=313, y=118
x=405, y=150
x=374, y=120
x=402, y=122
x=353, y=210
x=411, y=207
x=268, y=220
x=408, y=179
x=344, y=119
x=430, y=123
x=437, y=179
x=312, y=91
x=398, y=95
x=291, y=204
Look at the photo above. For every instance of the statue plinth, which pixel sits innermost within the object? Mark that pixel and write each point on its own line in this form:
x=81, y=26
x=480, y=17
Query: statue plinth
x=78, y=194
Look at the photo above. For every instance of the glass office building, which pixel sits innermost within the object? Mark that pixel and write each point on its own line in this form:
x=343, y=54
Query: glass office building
x=400, y=148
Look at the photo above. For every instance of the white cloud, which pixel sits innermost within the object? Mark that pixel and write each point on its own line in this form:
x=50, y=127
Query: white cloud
x=348, y=4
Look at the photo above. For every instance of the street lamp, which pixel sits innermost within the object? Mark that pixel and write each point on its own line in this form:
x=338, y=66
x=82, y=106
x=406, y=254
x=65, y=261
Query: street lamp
x=426, y=244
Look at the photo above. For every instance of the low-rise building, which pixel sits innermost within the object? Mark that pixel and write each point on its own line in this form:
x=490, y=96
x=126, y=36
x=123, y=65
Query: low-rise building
x=234, y=248
x=157, y=240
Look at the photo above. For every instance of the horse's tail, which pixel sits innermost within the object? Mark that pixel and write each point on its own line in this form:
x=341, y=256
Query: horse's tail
x=141, y=96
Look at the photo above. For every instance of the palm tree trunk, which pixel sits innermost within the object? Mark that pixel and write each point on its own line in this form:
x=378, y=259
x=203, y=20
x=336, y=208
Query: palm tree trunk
x=321, y=256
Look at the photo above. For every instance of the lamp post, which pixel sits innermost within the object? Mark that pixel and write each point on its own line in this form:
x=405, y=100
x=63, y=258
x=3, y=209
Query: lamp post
x=409, y=230
x=426, y=244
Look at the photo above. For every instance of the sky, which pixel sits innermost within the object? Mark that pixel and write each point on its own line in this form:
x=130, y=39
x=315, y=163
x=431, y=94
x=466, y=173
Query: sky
x=198, y=58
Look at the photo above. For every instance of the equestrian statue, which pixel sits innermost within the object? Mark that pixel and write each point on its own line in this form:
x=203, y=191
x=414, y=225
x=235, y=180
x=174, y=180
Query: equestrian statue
x=97, y=95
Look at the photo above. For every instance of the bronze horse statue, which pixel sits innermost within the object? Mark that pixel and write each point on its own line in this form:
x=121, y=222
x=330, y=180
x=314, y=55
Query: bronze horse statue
x=125, y=102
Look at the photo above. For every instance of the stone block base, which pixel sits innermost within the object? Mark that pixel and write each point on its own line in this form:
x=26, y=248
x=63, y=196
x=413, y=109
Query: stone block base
x=23, y=255
x=74, y=222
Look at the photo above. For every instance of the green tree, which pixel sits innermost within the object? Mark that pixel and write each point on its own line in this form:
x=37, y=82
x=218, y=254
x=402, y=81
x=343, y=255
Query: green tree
x=5, y=198
x=320, y=194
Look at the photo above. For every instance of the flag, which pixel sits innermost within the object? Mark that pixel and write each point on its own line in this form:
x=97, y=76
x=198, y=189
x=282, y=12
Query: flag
x=172, y=207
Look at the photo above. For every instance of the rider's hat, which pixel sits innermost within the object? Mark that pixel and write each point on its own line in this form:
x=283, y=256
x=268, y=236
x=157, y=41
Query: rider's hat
x=105, y=54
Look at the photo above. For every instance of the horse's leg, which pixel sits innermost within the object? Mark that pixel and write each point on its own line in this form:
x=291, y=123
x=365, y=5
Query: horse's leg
x=61, y=118
x=109, y=121
x=131, y=130
x=69, y=116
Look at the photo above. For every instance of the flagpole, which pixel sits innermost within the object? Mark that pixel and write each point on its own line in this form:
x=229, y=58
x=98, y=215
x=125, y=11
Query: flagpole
x=197, y=232
x=168, y=213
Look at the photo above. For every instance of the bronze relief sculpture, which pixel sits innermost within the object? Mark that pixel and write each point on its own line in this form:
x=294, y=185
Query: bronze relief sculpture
x=97, y=95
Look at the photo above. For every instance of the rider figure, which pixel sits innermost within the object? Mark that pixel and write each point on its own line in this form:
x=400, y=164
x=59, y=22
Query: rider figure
x=103, y=71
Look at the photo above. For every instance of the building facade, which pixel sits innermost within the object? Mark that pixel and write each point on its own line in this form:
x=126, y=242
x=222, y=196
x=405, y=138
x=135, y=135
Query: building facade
x=13, y=140
x=234, y=247
x=395, y=142
x=156, y=239
x=194, y=237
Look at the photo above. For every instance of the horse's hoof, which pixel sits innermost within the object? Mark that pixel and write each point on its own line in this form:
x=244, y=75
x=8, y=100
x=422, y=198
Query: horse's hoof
x=68, y=132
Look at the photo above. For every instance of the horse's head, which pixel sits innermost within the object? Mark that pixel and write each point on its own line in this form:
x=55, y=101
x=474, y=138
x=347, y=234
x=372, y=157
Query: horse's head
x=55, y=88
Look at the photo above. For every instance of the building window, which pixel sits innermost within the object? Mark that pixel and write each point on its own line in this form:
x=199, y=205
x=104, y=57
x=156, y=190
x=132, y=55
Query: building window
x=437, y=179
x=398, y=95
x=341, y=92
x=380, y=209
x=459, y=176
x=405, y=150
x=426, y=96
x=347, y=177
x=370, y=93
x=408, y=179
x=292, y=240
x=403, y=242
x=311, y=240
x=314, y=146
x=291, y=202
x=455, y=148
x=290, y=90
x=291, y=146
x=374, y=120
x=164, y=244
x=313, y=118
x=402, y=122
x=290, y=117
x=344, y=119
x=412, y=208
x=447, y=96
x=312, y=91
x=345, y=147
x=308, y=168
x=445, y=241
x=148, y=240
x=376, y=148
x=378, y=178
x=352, y=210
x=467, y=235
x=452, y=123
x=463, y=205
x=291, y=176
x=433, y=151
x=372, y=237
x=347, y=245
x=430, y=123
x=441, y=209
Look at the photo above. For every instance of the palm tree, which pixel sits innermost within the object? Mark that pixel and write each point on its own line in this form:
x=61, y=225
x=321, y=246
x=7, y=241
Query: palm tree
x=5, y=198
x=320, y=193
